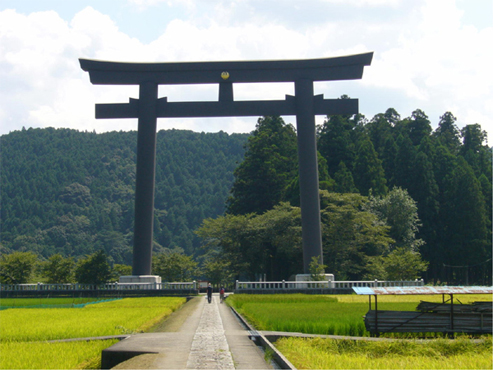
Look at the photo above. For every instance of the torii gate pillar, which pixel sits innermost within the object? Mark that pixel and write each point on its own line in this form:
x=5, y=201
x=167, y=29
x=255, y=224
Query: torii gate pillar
x=145, y=179
x=308, y=173
x=304, y=105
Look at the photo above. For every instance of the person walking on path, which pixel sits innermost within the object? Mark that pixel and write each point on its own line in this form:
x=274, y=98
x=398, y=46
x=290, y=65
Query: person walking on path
x=221, y=295
x=209, y=292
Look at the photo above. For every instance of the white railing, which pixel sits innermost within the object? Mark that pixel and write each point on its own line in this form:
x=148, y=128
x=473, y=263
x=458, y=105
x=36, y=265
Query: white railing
x=108, y=286
x=272, y=285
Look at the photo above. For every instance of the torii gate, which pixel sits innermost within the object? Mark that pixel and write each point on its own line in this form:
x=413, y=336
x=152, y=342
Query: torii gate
x=304, y=105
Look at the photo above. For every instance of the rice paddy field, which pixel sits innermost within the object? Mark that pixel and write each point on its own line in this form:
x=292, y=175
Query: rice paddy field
x=343, y=315
x=25, y=331
x=45, y=302
x=324, y=314
x=317, y=353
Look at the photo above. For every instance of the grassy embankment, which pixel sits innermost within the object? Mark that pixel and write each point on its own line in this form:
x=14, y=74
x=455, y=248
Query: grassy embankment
x=24, y=331
x=343, y=315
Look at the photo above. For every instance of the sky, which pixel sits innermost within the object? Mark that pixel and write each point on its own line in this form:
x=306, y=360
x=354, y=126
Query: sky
x=432, y=55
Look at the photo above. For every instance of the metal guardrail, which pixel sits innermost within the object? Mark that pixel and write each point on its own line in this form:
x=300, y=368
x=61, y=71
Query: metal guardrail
x=274, y=285
x=104, y=287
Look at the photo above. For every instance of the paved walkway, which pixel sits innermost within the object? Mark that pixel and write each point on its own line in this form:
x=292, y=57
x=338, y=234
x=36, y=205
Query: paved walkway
x=210, y=348
x=210, y=338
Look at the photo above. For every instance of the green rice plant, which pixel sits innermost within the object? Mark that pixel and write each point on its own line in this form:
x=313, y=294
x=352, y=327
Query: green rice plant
x=313, y=317
x=108, y=318
x=318, y=314
x=23, y=331
x=61, y=355
x=318, y=353
x=239, y=299
x=46, y=302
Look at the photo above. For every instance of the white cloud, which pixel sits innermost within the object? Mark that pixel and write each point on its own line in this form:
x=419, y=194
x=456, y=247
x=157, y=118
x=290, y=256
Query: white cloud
x=442, y=65
x=425, y=57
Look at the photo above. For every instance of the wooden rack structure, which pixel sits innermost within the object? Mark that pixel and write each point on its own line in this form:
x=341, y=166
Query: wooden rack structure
x=430, y=317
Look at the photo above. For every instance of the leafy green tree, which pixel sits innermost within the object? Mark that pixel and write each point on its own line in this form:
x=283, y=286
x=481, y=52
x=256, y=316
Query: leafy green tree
x=399, y=211
x=269, y=166
x=350, y=235
x=174, y=267
x=399, y=264
x=218, y=271
x=17, y=267
x=278, y=243
x=257, y=244
x=317, y=269
x=232, y=237
x=120, y=270
x=404, y=264
x=76, y=194
x=58, y=269
x=94, y=269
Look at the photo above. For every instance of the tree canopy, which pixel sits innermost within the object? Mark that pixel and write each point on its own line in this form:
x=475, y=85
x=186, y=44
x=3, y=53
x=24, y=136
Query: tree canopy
x=269, y=166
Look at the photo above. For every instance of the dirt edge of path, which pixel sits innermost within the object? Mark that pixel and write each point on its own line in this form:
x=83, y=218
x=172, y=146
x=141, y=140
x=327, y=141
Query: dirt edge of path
x=172, y=323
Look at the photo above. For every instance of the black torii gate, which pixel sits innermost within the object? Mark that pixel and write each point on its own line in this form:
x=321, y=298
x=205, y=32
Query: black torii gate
x=304, y=105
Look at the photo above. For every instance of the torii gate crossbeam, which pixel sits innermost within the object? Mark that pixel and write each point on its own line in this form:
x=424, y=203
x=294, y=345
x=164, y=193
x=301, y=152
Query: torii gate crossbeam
x=304, y=105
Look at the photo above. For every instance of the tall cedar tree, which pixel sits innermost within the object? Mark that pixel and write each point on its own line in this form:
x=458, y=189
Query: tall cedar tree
x=336, y=143
x=418, y=126
x=467, y=232
x=448, y=133
x=380, y=130
x=404, y=163
x=389, y=162
x=426, y=197
x=269, y=166
x=344, y=182
x=368, y=170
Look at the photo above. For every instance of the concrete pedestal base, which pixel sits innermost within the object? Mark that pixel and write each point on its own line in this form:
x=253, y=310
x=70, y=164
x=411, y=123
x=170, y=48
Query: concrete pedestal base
x=140, y=279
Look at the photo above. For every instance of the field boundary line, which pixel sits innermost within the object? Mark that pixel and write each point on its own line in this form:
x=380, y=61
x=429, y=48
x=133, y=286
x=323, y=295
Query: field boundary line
x=88, y=339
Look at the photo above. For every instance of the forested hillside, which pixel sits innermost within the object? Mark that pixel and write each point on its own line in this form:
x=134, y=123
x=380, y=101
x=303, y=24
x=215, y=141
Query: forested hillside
x=70, y=192
x=394, y=190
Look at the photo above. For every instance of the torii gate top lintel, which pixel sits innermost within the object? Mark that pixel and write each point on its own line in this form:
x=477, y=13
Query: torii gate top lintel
x=322, y=69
